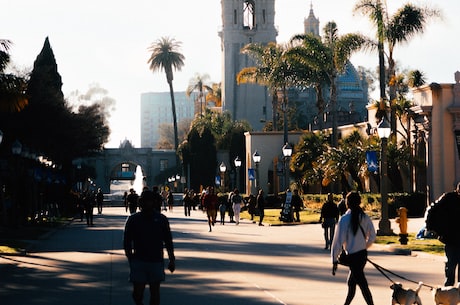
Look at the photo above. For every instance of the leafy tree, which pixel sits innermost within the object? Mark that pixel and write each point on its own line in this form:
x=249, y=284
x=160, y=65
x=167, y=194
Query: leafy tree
x=416, y=78
x=221, y=125
x=215, y=94
x=166, y=140
x=305, y=159
x=201, y=155
x=47, y=125
x=92, y=129
x=13, y=96
x=165, y=56
x=226, y=135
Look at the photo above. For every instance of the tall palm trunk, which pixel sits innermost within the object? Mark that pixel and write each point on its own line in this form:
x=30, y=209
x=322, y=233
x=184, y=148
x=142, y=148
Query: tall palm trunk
x=320, y=105
x=392, y=94
x=173, y=108
x=334, y=108
x=285, y=119
x=274, y=110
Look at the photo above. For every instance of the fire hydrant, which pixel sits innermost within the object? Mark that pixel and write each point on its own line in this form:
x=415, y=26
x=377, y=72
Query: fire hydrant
x=402, y=221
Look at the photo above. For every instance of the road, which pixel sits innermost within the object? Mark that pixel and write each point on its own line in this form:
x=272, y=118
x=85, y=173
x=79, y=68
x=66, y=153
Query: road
x=245, y=264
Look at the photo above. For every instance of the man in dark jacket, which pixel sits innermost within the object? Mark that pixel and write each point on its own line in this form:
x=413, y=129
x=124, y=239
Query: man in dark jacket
x=146, y=234
x=329, y=217
x=444, y=221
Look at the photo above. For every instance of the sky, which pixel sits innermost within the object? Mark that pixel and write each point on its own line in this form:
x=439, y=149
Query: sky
x=106, y=43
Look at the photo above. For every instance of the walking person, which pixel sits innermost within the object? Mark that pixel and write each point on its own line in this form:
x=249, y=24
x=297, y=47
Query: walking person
x=187, y=201
x=132, y=199
x=342, y=206
x=88, y=202
x=355, y=233
x=210, y=201
x=328, y=219
x=252, y=206
x=231, y=214
x=125, y=200
x=81, y=205
x=261, y=206
x=237, y=201
x=170, y=200
x=99, y=200
x=222, y=210
x=297, y=204
x=442, y=218
x=146, y=234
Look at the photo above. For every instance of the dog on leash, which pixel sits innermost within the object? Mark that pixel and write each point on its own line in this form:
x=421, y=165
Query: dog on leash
x=449, y=295
x=405, y=296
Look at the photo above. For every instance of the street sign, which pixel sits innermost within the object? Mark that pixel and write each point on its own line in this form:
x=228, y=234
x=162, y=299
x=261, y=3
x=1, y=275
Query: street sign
x=251, y=174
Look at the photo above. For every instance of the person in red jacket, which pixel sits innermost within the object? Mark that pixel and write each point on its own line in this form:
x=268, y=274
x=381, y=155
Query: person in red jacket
x=210, y=203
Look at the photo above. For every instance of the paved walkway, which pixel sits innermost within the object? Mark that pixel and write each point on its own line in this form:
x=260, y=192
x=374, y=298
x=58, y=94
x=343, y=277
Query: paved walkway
x=244, y=264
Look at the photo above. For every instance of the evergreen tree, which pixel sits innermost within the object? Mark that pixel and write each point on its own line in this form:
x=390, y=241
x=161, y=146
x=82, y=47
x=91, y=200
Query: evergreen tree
x=44, y=122
x=202, y=155
x=48, y=126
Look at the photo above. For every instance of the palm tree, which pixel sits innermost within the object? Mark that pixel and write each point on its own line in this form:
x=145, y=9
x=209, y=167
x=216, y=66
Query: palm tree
x=305, y=159
x=4, y=53
x=215, y=94
x=165, y=56
x=271, y=70
x=408, y=21
x=305, y=74
x=12, y=88
x=416, y=78
x=330, y=57
x=198, y=83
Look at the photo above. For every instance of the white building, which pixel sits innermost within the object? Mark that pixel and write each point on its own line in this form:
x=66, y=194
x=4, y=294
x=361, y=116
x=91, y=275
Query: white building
x=156, y=110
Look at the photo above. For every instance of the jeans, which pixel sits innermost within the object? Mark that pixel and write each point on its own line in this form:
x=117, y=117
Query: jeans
x=453, y=262
x=329, y=228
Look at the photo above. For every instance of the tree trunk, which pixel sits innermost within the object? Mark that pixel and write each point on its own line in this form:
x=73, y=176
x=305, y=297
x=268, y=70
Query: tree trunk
x=173, y=108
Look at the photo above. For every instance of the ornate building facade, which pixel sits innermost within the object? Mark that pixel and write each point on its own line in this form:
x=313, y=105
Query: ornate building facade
x=243, y=22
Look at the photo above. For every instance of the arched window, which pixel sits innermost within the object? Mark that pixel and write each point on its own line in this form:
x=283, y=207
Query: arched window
x=248, y=14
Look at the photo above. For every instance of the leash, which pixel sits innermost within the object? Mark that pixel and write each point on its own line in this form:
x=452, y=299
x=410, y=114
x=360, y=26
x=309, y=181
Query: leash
x=382, y=270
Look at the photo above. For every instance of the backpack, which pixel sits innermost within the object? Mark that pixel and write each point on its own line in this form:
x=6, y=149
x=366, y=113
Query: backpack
x=438, y=215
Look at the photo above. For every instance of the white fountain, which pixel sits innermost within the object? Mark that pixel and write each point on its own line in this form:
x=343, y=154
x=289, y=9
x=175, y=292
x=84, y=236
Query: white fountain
x=138, y=183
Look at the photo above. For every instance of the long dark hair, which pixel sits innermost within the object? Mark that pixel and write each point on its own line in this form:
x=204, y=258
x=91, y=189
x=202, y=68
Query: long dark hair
x=353, y=203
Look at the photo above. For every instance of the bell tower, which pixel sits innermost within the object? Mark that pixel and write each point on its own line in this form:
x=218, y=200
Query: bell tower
x=311, y=24
x=243, y=22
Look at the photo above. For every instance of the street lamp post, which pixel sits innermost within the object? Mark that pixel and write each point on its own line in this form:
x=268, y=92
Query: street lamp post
x=178, y=183
x=222, y=169
x=256, y=158
x=287, y=153
x=237, y=163
x=1, y=186
x=16, y=150
x=384, y=130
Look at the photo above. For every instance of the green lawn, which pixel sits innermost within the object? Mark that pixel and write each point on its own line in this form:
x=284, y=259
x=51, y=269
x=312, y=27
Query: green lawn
x=433, y=246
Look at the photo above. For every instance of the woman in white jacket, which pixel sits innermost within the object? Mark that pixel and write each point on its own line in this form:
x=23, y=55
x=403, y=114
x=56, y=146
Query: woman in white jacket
x=355, y=233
